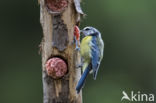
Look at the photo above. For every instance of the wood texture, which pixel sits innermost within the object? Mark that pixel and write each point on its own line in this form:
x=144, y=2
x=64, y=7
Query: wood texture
x=60, y=90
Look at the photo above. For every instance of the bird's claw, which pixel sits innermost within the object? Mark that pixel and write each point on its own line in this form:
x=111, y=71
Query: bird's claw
x=79, y=66
x=77, y=49
x=73, y=42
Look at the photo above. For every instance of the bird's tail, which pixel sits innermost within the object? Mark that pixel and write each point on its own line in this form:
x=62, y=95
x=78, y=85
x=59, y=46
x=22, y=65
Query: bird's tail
x=82, y=80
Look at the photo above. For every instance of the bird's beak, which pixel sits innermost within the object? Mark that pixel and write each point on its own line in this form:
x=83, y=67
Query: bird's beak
x=83, y=32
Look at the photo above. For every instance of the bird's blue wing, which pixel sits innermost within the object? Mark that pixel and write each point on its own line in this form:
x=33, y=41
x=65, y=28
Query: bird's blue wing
x=95, y=52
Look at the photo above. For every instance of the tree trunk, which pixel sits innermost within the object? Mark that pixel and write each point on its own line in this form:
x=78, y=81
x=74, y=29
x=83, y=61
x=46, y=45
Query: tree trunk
x=58, y=29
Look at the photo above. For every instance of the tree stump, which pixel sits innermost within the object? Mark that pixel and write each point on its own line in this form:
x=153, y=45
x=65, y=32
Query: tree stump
x=58, y=19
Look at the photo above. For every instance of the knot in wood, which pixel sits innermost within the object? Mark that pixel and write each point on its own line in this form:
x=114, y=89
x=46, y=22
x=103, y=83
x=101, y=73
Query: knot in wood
x=56, y=67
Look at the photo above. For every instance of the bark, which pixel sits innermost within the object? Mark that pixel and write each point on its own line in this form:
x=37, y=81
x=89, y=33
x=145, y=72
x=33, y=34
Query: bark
x=57, y=41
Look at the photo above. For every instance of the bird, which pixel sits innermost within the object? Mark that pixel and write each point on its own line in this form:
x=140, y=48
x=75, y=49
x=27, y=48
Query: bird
x=91, y=51
x=125, y=96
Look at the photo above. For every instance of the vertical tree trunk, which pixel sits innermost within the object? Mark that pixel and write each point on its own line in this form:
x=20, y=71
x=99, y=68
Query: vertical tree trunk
x=58, y=29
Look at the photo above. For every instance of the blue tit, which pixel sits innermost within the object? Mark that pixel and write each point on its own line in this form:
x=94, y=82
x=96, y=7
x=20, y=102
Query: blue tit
x=91, y=50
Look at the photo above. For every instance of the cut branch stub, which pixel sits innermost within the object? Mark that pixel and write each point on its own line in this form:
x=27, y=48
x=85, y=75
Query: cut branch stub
x=56, y=6
x=56, y=67
x=78, y=6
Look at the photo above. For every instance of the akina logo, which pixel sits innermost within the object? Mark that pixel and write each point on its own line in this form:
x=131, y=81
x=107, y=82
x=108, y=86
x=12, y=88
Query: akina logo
x=137, y=96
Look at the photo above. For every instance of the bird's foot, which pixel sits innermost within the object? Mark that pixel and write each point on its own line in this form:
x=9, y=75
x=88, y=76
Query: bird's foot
x=79, y=66
x=73, y=42
x=77, y=48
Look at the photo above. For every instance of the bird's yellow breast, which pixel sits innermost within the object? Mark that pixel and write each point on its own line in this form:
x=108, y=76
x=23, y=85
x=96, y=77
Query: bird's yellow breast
x=85, y=48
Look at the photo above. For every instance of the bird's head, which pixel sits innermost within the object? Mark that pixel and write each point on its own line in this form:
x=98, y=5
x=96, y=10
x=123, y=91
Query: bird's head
x=90, y=31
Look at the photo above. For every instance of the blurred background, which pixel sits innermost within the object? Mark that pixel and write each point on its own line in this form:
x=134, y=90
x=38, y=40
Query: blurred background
x=128, y=28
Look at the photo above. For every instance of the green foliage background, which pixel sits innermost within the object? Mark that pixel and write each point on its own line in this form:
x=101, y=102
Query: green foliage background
x=128, y=28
